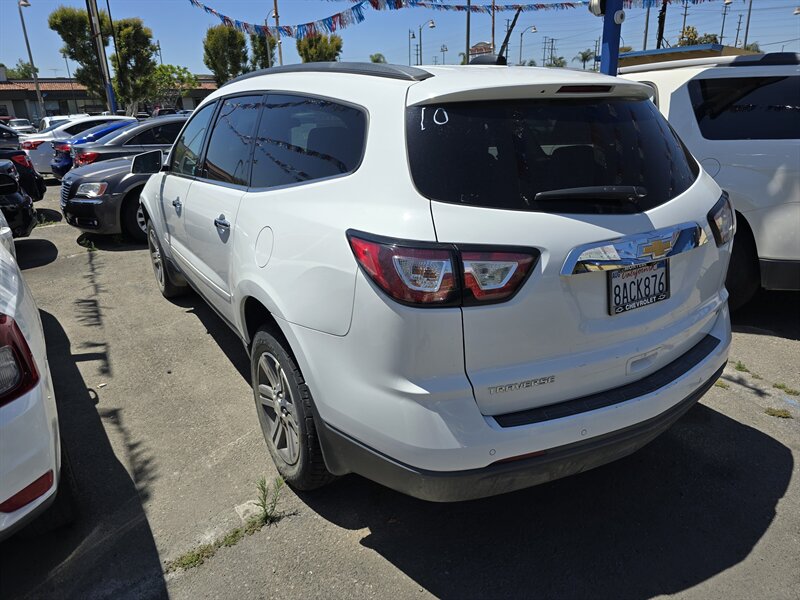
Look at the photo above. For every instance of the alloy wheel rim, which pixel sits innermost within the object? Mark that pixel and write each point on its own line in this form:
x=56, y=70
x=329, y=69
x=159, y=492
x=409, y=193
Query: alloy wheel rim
x=155, y=258
x=140, y=220
x=277, y=404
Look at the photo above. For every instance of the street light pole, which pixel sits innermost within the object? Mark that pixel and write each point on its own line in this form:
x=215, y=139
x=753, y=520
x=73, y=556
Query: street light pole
x=20, y=5
x=411, y=36
x=532, y=29
x=443, y=49
x=430, y=23
x=725, y=7
x=278, y=31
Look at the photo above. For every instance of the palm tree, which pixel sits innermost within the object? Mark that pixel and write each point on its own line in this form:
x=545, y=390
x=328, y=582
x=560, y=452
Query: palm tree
x=463, y=58
x=584, y=57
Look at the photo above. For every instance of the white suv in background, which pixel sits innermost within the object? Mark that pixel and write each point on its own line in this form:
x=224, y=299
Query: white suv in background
x=456, y=281
x=740, y=116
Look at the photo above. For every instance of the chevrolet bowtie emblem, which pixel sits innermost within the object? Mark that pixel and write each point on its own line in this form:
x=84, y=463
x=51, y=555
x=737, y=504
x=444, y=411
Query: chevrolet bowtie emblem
x=656, y=248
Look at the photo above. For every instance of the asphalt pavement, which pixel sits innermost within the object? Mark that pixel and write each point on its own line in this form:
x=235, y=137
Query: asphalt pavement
x=158, y=418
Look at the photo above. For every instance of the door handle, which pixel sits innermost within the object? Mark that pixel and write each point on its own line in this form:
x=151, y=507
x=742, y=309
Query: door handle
x=177, y=203
x=222, y=223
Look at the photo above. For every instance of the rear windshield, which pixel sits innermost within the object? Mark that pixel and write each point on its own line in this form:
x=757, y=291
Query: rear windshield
x=502, y=154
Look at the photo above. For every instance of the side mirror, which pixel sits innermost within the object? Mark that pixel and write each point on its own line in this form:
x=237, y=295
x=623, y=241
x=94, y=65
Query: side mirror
x=149, y=162
x=8, y=185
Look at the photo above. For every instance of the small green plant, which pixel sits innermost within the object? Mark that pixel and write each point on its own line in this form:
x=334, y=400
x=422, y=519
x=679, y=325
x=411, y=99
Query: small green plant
x=86, y=243
x=267, y=502
x=786, y=389
x=781, y=413
x=721, y=384
x=740, y=366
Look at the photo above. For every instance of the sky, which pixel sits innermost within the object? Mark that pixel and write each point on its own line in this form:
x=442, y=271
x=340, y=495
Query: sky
x=180, y=27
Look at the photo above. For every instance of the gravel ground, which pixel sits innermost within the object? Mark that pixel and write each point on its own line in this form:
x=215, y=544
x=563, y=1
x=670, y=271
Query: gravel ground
x=158, y=417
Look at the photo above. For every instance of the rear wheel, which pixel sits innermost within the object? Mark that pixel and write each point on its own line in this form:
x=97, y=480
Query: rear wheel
x=166, y=286
x=283, y=402
x=744, y=276
x=134, y=225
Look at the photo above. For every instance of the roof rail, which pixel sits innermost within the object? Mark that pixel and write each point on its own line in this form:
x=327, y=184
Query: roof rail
x=743, y=60
x=353, y=68
x=773, y=58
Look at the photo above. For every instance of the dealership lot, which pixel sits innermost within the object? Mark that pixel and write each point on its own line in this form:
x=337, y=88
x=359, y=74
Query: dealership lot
x=157, y=413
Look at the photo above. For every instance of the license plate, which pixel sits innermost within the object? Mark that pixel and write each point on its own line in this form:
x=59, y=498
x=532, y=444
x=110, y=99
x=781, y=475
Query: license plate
x=637, y=286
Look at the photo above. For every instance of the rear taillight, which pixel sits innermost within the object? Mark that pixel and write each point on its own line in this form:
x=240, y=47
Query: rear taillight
x=431, y=274
x=62, y=147
x=22, y=160
x=31, y=145
x=85, y=158
x=722, y=220
x=18, y=373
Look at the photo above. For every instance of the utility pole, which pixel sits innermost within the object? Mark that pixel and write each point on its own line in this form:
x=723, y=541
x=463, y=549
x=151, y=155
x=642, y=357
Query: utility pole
x=443, y=49
x=662, y=17
x=94, y=27
x=738, y=29
x=552, y=51
x=278, y=31
x=646, y=27
x=725, y=7
x=544, y=51
x=747, y=24
x=466, y=51
x=685, y=12
x=158, y=49
x=20, y=4
x=493, y=51
x=596, y=52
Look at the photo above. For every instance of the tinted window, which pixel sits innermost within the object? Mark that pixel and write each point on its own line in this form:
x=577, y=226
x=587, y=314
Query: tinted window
x=302, y=139
x=747, y=108
x=79, y=127
x=230, y=148
x=186, y=153
x=501, y=154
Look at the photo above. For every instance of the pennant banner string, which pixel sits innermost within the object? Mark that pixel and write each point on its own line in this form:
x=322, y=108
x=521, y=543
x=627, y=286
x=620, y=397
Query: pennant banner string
x=355, y=14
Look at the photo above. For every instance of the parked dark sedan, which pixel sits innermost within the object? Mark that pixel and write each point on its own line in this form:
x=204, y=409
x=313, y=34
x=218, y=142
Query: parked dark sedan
x=9, y=138
x=104, y=198
x=154, y=134
x=29, y=178
x=16, y=205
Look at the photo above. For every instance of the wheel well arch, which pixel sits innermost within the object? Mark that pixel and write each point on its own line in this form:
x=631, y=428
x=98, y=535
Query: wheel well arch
x=254, y=316
x=744, y=227
x=134, y=192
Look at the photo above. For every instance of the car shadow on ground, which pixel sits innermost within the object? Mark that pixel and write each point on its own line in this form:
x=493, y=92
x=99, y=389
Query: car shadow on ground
x=109, y=243
x=688, y=506
x=109, y=552
x=34, y=252
x=770, y=313
x=48, y=215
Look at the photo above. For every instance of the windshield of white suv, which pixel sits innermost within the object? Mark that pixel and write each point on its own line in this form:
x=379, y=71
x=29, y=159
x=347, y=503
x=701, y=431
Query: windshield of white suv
x=505, y=154
x=20, y=122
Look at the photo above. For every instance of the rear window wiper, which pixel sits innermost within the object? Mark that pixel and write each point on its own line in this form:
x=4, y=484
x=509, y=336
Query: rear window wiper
x=621, y=193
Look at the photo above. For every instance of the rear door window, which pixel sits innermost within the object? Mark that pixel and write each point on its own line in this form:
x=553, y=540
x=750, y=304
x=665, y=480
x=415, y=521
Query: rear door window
x=230, y=149
x=501, y=154
x=303, y=139
x=186, y=153
x=80, y=127
x=747, y=108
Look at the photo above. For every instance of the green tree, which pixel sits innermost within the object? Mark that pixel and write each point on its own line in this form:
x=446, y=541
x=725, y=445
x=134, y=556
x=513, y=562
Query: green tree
x=169, y=82
x=708, y=38
x=753, y=47
x=463, y=58
x=23, y=70
x=584, y=57
x=319, y=48
x=225, y=52
x=558, y=61
x=72, y=25
x=690, y=37
x=528, y=63
x=133, y=62
x=377, y=58
x=262, y=51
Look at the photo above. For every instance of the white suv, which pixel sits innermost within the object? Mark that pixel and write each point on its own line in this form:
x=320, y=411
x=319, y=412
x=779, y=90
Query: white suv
x=740, y=116
x=456, y=281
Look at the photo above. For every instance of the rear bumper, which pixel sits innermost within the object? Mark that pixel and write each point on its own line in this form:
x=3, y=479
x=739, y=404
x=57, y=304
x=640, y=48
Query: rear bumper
x=344, y=454
x=21, y=218
x=780, y=274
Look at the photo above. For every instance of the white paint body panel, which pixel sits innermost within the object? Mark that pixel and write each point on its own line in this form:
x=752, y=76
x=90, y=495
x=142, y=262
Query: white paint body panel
x=29, y=438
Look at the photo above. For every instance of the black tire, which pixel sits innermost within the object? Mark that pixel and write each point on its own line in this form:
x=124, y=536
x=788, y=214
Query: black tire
x=744, y=275
x=63, y=510
x=161, y=268
x=132, y=218
x=307, y=471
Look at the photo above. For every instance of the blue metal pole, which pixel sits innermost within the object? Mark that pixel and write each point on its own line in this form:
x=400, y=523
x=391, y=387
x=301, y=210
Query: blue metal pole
x=609, y=53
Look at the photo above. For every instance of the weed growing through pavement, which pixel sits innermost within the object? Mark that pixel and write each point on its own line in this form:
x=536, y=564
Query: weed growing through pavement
x=87, y=243
x=739, y=366
x=721, y=384
x=785, y=388
x=781, y=413
x=267, y=502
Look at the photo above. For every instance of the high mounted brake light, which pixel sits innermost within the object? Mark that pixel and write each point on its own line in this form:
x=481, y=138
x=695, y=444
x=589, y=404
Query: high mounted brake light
x=440, y=275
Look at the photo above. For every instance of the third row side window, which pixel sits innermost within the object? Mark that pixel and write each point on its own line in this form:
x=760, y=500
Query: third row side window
x=301, y=139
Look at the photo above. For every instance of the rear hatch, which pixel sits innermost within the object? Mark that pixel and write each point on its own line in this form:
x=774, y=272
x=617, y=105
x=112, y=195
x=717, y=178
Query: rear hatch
x=622, y=188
